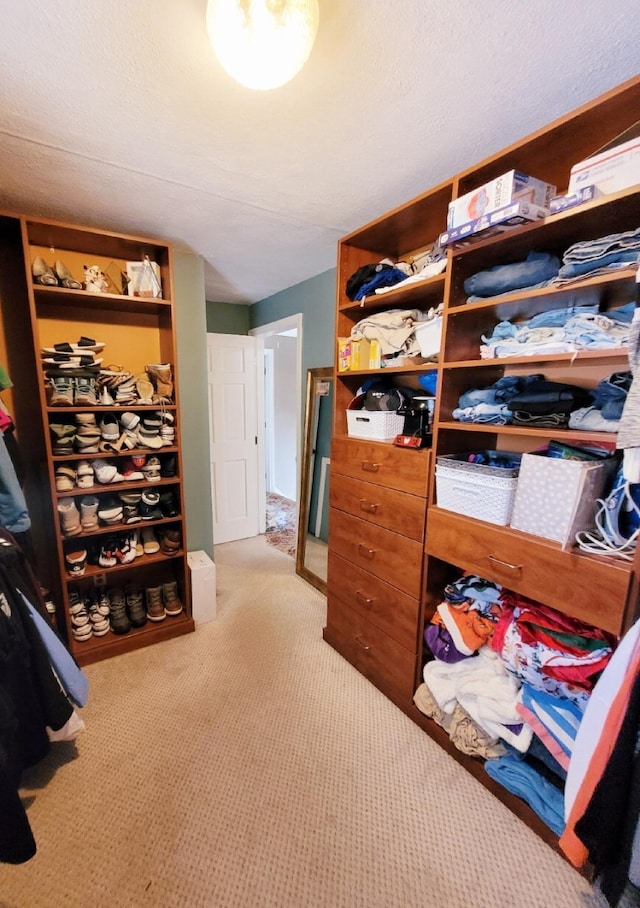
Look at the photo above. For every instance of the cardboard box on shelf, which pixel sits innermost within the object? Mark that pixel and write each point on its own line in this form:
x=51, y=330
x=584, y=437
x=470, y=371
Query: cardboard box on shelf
x=579, y=197
x=506, y=218
x=506, y=189
x=610, y=171
x=344, y=354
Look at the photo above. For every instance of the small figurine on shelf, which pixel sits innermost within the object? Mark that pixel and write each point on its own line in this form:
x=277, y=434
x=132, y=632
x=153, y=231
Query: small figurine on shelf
x=94, y=279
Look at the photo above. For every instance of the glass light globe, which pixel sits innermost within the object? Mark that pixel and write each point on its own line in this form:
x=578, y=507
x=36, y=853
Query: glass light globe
x=262, y=43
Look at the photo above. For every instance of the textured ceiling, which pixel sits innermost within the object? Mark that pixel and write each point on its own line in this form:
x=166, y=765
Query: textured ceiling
x=118, y=115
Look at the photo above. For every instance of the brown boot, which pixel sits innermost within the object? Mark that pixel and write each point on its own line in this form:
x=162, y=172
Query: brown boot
x=162, y=378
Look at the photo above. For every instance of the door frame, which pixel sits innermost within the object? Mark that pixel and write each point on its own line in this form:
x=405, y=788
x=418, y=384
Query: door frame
x=288, y=323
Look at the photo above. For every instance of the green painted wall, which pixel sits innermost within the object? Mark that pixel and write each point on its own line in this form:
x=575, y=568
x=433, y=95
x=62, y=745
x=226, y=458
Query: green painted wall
x=191, y=330
x=227, y=318
x=315, y=299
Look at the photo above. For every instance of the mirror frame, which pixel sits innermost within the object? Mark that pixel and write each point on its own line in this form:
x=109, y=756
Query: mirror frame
x=313, y=375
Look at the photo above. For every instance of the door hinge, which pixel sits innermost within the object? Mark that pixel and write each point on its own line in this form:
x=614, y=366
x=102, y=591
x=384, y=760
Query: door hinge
x=256, y=439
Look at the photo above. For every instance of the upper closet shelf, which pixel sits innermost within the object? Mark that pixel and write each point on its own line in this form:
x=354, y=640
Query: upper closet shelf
x=417, y=293
x=110, y=301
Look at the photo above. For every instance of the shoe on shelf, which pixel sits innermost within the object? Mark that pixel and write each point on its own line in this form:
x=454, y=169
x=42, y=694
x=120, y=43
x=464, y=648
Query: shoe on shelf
x=170, y=541
x=150, y=544
x=118, y=618
x=129, y=420
x=85, y=475
x=89, y=513
x=106, y=400
x=69, y=517
x=76, y=562
x=107, y=556
x=106, y=473
x=86, y=419
x=65, y=278
x=109, y=429
x=83, y=345
x=155, y=606
x=102, y=602
x=151, y=469
x=62, y=393
x=99, y=621
x=168, y=436
x=162, y=379
x=137, y=542
x=168, y=503
x=43, y=273
x=87, y=439
x=144, y=389
x=130, y=472
x=170, y=598
x=85, y=395
x=168, y=466
x=110, y=510
x=80, y=623
x=62, y=438
x=65, y=478
x=134, y=599
x=126, y=550
x=149, y=505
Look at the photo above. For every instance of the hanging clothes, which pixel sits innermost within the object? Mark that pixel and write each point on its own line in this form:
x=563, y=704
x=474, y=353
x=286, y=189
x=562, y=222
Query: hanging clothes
x=34, y=704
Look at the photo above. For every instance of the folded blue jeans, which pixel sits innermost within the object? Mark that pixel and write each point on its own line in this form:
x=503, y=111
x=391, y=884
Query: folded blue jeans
x=538, y=266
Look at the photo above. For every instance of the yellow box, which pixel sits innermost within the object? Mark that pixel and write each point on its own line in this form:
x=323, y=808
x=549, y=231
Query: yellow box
x=344, y=354
x=359, y=354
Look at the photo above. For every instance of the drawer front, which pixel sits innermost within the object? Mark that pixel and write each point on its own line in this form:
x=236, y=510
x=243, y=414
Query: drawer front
x=592, y=590
x=383, y=661
x=387, y=555
x=396, y=511
x=389, y=609
x=405, y=469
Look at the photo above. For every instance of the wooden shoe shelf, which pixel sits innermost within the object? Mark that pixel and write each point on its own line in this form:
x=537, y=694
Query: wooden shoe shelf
x=135, y=331
x=386, y=574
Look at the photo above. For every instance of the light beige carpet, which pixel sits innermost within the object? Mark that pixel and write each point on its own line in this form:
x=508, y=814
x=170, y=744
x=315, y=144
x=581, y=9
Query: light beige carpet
x=249, y=765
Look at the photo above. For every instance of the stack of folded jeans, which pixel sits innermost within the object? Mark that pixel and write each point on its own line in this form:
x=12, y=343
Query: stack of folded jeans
x=489, y=405
x=547, y=404
x=608, y=400
x=567, y=330
x=536, y=271
x=608, y=253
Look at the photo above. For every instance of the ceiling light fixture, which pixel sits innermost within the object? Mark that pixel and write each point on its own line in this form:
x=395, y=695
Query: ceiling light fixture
x=262, y=43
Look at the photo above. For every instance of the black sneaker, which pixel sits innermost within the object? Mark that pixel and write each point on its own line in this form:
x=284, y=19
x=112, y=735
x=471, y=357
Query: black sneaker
x=118, y=618
x=168, y=503
x=149, y=505
x=168, y=466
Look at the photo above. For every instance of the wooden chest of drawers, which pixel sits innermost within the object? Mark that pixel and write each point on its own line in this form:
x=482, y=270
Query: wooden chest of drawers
x=376, y=561
x=378, y=656
x=393, y=468
x=533, y=566
x=386, y=555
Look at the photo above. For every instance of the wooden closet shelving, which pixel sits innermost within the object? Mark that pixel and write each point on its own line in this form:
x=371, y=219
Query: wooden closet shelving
x=136, y=331
x=380, y=593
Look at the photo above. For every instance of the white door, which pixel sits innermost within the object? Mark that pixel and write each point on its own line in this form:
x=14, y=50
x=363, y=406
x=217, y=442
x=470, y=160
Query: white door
x=234, y=442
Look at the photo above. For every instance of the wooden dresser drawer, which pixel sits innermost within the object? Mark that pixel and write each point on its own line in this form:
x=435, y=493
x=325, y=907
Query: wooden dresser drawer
x=391, y=610
x=381, y=659
x=396, y=511
x=405, y=469
x=387, y=555
x=593, y=590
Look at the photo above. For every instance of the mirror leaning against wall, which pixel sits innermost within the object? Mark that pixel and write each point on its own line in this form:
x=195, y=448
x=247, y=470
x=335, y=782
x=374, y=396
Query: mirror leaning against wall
x=313, y=516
